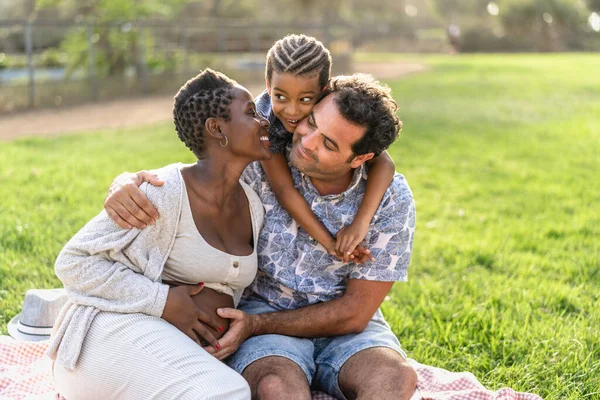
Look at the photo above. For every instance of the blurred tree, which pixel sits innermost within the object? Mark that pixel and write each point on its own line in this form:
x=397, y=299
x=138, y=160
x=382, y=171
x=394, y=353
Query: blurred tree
x=460, y=17
x=227, y=8
x=111, y=10
x=11, y=9
x=28, y=7
x=116, y=46
x=370, y=18
x=215, y=8
x=593, y=5
x=540, y=25
x=544, y=25
x=372, y=12
x=471, y=25
x=456, y=10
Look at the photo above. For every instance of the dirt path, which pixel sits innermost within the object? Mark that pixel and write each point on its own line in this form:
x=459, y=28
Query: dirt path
x=134, y=112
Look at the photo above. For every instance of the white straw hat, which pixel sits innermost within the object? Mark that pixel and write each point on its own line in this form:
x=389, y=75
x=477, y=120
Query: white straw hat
x=40, y=309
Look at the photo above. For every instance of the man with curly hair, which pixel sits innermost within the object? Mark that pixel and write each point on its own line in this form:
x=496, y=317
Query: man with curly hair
x=309, y=321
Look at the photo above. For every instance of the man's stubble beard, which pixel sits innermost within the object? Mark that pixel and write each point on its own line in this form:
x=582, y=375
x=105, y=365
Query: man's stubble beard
x=310, y=169
x=303, y=165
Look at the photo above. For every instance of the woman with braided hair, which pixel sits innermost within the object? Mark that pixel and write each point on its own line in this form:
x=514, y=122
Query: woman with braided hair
x=126, y=333
x=297, y=76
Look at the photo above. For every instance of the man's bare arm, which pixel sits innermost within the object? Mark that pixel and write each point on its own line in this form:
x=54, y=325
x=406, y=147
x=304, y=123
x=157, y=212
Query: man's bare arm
x=127, y=205
x=348, y=314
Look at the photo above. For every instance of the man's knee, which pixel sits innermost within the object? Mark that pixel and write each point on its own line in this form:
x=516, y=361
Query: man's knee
x=378, y=369
x=395, y=365
x=395, y=369
x=272, y=386
x=402, y=371
x=395, y=377
x=276, y=378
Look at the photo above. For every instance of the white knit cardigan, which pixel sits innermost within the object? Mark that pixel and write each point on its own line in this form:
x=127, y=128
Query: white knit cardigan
x=107, y=268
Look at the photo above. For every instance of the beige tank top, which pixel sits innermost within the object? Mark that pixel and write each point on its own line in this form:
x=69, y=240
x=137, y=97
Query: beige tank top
x=193, y=260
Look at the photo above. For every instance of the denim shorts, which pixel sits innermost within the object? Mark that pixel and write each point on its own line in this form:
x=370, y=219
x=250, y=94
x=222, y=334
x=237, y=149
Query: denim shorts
x=320, y=358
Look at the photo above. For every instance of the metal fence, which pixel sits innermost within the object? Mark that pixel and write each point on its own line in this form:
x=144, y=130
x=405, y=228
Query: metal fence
x=55, y=64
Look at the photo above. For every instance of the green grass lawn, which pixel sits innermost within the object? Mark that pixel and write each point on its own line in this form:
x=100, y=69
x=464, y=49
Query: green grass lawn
x=503, y=155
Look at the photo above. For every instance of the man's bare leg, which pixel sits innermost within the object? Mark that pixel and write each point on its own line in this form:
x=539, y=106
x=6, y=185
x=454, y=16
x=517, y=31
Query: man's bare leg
x=276, y=378
x=377, y=373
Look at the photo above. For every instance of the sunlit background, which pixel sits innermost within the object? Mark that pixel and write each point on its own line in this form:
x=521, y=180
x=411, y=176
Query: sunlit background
x=501, y=146
x=55, y=53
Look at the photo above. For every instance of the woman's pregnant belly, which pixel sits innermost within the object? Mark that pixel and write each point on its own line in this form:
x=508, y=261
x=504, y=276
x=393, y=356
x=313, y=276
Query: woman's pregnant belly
x=209, y=300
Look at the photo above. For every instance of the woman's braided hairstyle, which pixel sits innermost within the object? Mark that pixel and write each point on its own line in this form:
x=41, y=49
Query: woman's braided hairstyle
x=207, y=95
x=299, y=55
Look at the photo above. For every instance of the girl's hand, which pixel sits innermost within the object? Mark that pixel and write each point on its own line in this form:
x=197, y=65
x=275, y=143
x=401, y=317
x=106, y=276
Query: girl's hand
x=349, y=237
x=331, y=249
x=360, y=255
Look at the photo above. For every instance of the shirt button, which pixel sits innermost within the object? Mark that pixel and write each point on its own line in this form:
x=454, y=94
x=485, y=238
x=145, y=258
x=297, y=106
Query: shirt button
x=236, y=264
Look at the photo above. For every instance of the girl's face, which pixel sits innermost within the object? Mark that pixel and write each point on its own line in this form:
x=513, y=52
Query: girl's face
x=246, y=130
x=293, y=97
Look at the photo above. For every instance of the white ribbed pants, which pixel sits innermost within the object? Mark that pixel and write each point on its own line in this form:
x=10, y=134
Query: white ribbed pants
x=136, y=356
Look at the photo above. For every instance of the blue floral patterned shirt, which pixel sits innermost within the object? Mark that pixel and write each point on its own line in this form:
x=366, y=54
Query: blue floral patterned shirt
x=278, y=135
x=294, y=270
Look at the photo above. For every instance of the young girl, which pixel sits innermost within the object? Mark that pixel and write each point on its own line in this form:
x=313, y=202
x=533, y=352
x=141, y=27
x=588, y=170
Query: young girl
x=297, y=74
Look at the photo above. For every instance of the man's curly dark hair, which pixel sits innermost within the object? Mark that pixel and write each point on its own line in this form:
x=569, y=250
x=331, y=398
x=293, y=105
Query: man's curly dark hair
x=207, y=95
x=366, y=102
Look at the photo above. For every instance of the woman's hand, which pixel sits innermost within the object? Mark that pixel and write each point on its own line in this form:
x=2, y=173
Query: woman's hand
x=210, y=300
x=181, y=312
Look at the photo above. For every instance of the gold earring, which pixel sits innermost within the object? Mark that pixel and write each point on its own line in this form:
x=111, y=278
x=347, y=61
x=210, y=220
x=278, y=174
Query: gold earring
x=226, y=142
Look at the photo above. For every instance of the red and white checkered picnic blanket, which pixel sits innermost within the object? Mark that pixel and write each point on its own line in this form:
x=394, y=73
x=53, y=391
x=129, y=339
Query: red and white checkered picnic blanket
x=26, y=373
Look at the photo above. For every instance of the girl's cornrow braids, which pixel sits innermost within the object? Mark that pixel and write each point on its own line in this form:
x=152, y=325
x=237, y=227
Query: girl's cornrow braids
x=299, y=55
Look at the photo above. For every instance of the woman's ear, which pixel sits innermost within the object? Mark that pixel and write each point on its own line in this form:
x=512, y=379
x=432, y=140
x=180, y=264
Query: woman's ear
x=213, y=128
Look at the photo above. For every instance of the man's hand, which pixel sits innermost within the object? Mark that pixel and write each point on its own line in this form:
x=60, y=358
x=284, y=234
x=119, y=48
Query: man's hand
x=127, y=205
x=181, y=312
x=241, y=328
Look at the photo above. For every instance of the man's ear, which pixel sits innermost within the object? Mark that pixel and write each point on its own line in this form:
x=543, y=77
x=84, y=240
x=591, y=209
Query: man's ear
x=212, y=127
x=359, y=160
